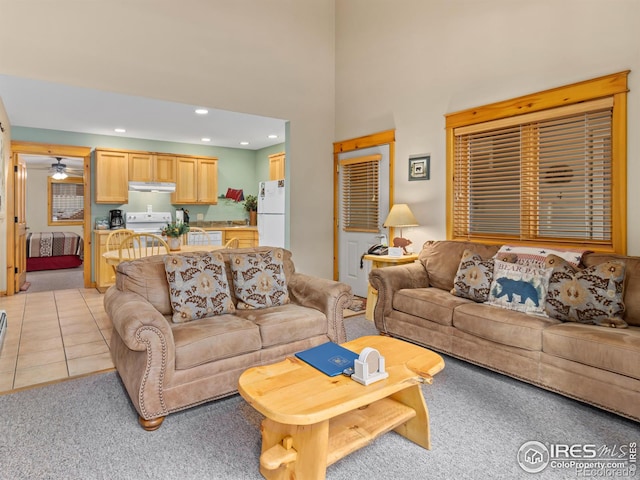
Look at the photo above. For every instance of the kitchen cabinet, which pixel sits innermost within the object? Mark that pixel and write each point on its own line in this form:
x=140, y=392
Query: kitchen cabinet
x=104, y=274
x=196, y=178
x=147, y=167
x=247, y=237
x=196, y=181
x=112, y=176
x=276, y=166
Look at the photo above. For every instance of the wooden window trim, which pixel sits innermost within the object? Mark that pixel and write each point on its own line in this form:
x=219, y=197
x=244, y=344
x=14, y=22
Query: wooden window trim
x=50, y=183
x=613, y=86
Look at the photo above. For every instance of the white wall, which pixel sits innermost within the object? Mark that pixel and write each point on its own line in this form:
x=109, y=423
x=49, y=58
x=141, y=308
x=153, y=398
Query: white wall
x=272, y=58
x=406, y=64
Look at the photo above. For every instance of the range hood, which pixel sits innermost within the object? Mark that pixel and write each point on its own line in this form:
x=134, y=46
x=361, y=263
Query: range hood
x=165, y=187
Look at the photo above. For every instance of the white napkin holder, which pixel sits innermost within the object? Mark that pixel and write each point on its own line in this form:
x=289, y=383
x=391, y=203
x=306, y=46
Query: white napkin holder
x=369, y=367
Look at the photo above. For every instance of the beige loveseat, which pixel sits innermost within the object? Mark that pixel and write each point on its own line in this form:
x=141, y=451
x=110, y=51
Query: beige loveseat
x=167, y=366
x=595, y=364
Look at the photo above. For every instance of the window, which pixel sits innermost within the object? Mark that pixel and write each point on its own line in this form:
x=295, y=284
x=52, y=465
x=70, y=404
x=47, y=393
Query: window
x=553, y=175
x=66, y=201
x=360, y=199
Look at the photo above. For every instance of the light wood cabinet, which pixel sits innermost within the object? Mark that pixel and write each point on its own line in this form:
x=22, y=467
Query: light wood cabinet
x=104, y=274
x=112, y=176
x=147, y=167
x=247, y=237
x=196, y=181
x=164, y=168
x=276, y=166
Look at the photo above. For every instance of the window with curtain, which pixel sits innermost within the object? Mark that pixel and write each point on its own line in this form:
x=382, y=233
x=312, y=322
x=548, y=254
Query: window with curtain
x=553, y=176
x=360, y=199
x=66, y=201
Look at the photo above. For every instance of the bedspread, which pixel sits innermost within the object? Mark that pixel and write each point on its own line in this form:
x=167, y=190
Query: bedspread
x=53, y=244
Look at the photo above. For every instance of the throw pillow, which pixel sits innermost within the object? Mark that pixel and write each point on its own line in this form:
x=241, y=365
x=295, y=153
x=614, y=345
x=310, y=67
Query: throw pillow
x=198, y=286
x=258, y=279
x=519, y=287
x=474, y=277
x=537, y=255
x=593, y=295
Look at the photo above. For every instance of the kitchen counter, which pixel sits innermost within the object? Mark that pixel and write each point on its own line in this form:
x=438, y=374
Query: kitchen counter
x=104, y=275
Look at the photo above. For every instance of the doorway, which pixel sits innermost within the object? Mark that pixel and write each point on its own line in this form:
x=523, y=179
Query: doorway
x=16, y=231
x=371, y=160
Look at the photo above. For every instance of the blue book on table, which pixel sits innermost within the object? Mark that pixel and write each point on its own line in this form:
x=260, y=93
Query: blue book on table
x=330, y=358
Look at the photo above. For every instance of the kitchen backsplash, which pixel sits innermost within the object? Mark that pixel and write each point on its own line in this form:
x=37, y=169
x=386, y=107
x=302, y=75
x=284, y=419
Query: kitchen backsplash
x=161, y=202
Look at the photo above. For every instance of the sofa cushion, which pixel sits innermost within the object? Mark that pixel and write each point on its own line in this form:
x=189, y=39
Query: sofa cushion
x=146, y=277
x=507, y=327
x=259, y=280
x=631, y=282
x=197, y=286
x=286, y=323
x=474, y=275
x=441, y=259
x=614, y=350
x=593, y=295
x=213, y=338
x=473, y=278
x=519, y=287
x=430, y=303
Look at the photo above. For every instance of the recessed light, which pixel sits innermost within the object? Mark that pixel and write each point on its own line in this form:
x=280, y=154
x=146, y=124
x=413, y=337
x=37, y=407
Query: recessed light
x=119, y=130
x=205, y=139
x=202, y=111
x=244, y=143
x=273, y=136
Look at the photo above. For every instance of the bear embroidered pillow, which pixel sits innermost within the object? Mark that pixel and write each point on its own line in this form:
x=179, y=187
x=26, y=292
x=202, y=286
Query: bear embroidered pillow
x=519, y=287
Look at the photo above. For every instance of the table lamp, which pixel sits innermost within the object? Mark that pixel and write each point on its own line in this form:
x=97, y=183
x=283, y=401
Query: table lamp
x=401, y=216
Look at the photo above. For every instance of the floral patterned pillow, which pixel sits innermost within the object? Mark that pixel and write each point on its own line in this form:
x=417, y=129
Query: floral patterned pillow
x=473, y=278
x=198, y=286
x=593, y=295
x=258, y=279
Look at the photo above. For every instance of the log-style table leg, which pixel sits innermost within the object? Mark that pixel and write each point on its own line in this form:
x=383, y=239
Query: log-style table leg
x=309, y=443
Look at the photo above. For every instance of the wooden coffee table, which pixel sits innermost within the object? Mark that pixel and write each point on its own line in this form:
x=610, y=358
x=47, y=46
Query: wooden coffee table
x=313, y=420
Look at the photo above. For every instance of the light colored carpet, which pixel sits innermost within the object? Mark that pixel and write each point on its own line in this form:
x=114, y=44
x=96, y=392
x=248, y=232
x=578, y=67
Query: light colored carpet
x=47, y=280
x=87, y=429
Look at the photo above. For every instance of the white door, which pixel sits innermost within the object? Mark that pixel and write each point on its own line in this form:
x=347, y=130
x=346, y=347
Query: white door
x=355, y=241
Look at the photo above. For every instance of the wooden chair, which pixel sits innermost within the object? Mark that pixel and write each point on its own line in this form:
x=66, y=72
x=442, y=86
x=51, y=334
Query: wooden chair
x=141, y=245
x=232, y=243
x=114, y=239
x=201, y=237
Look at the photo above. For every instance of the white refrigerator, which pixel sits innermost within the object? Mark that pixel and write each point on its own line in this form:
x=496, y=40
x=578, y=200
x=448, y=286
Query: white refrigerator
x=271, y=213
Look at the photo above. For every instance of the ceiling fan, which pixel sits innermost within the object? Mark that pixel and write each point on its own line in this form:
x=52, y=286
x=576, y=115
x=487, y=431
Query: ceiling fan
x=59, y=169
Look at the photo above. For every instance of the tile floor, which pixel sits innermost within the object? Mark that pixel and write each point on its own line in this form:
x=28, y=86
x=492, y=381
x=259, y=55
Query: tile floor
x=52, y=336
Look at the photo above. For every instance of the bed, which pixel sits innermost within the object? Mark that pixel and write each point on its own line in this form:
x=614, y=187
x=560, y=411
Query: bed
x=53, y=250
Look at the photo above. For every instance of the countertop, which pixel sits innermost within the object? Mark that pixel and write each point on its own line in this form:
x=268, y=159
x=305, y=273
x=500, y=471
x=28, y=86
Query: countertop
x=213, y=226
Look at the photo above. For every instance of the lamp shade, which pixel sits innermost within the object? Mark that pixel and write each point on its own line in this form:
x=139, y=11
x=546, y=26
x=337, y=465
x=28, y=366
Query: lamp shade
x=400, y=216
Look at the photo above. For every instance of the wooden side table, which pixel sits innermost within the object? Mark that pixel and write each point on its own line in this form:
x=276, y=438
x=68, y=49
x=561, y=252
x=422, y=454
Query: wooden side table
x=380, y=261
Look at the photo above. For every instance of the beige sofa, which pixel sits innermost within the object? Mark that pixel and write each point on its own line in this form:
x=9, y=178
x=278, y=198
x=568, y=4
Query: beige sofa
x=595, y=364
x=167, y=367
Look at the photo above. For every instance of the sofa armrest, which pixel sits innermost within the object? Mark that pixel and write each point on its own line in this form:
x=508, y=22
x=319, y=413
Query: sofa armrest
x=129, y=312
x=387, y=281
x=328, y=296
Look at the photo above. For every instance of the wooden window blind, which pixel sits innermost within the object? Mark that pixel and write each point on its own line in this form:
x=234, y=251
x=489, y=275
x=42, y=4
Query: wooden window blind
x=360, y=197
x=66, y=202
x=555, y=175
x=547, y=177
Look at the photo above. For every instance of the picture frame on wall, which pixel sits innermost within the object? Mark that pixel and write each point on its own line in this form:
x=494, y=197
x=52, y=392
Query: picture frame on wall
x=419, y=167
